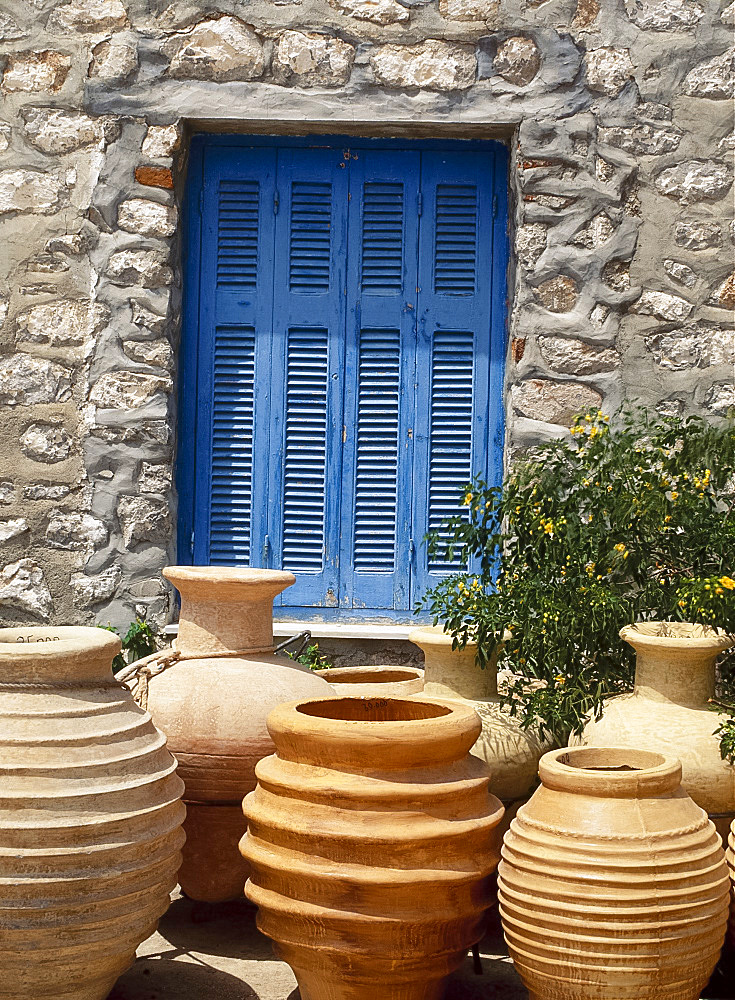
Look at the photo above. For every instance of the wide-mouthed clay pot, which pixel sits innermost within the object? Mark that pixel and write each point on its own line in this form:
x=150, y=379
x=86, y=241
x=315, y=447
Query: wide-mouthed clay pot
x=374, y=681
x=372, y=836
x=511, y=752
x=613, y=883
x=90, y=816
x=669, y=711
x=212, y=704
x=730, y=854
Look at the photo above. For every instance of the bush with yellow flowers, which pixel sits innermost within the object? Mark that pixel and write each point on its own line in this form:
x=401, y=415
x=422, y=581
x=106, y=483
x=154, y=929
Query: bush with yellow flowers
x=627, y=520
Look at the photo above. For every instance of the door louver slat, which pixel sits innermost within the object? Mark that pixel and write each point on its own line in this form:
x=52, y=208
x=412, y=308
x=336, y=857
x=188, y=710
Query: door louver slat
x=455, y=262
x=382, y=238
x=237, y=233
x=305, y=450
x=232, y=445
x=310, y=237
x=450, y=445
x=376, y=465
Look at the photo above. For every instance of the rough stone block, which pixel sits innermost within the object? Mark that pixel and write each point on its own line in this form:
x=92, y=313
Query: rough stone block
x=662, y=305
x=10, y=30
x=377, y=11
x=30, y=191
x=146, y=217
x=680, y=273
x=91, y=16
x=13, y=528
x=126, y=390
x=725, y=294
x=147, y=319
x=139, y=267
x=26, y=381
x=143, y=519
x=714, y=78
x=23, y=587
x=46, y=492
x=702, y=347
x=558, y=294
x=574, y=357
x=75, y=532
x=63, y=323
x=220, y=49
x=309, y=59
x=517, y=60
x=44, y=442
x=431, y=65
x=698, y=235
x=470, y=10
x=530, y=243
x=642, y=140
x=155, y=478
x=94, y=589
x=161, y=141
x=36, y=71
x=608, y=70
x=150, y=352
x=160, y=177
x=665, y=15
x=721, y=398
x=114, y=60
x=694, y=180
x=553, y=402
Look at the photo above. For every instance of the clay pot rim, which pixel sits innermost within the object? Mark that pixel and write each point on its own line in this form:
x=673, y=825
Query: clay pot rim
x=52, y=642
x=642, y=634
x=653, y=773
x=214, y=581
x=289, y=717
x=368, y=672
x=436, y=635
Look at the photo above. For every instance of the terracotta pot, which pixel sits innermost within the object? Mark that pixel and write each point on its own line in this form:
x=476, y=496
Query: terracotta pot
x=613, y=883
x=731, y=864
x=374, y=682
x=90, y=816
x=511, y=752
x=213, y=706
x=372, y=836
x=668, y=711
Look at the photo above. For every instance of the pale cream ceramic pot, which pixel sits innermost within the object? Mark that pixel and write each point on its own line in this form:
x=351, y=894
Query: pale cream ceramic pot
x=90, y=816
x=613, y=883
x=213, y=703
x=372, y=836
x=669, y=712
x=374, y=681
x=512, y=753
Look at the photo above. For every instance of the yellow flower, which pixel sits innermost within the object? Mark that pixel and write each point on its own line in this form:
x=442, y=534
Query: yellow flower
x=674, y=495
x=467, y=499
x=727, y=582
x=682, y=604
x=620, y=547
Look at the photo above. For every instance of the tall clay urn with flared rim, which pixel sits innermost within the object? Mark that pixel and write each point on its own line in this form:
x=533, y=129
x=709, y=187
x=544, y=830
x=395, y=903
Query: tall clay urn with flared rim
x=372, y=836
x=90, y=816
x=613, y=883
x=212, y=704
x=511, y=752
x=669, y=711
x=380, y=681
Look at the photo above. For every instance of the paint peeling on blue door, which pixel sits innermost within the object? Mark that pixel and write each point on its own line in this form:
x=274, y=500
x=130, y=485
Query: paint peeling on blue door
x=342, y=359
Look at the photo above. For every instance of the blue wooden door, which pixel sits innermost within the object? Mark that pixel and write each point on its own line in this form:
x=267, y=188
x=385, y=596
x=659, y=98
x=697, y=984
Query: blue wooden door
x=342, y=359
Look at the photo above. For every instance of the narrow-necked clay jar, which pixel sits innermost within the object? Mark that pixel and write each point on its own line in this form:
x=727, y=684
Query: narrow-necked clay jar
x=213, y=706
x=372, y=836
x=669, y=710
x=374, y=681
x=90, y=816
x=613, y=883
x=511, y=752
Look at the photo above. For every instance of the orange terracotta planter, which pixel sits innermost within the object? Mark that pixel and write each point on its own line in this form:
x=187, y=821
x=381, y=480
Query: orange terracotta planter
x=731, y=865
x=374, y=681
x=613, y=883
x=212, y=705
x=372, y=836
x=90, y=817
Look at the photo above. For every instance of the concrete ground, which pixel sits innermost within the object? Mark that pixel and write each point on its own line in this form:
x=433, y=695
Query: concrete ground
x=204, y=952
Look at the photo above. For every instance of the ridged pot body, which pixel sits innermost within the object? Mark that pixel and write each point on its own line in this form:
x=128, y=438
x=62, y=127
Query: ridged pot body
x=213, y=709
x=90, y=817
x=669, y=711
x=613, y=882
x=372, y=836
x=730, y=854
x=374, y=681
x=512, y=753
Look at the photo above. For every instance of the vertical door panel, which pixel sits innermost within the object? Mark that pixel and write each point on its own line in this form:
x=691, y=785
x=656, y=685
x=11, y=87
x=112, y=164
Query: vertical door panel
x=379, y=399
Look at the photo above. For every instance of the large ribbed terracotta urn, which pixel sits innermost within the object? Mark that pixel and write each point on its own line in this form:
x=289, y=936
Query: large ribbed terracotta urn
x=613, y=883
x=90, y=816
x=212, y=704
x=374, y=681
x=669, y=710
x=731, y=864
x=372, y=836
x=511, y=752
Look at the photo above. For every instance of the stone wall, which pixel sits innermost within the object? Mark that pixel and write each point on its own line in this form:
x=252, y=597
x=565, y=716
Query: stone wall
x=619, y=119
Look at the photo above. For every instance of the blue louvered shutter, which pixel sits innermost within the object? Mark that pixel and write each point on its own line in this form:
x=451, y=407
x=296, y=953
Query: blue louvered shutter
x=381, y=333
x=454, y=343
x=233, y=356
x=308, y=373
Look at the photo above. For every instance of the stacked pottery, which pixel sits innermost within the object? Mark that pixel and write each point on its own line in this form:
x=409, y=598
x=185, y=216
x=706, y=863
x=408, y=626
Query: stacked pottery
x=669, y=711
x=511, y=752
x=212, y=704
x=374, y=681
x=90, y=816
x=372, y=836
x=613, y=882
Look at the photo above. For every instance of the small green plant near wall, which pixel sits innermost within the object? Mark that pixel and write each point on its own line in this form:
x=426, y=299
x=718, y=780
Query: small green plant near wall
x=626, y=521
x=138, y=641
x=312, y=658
